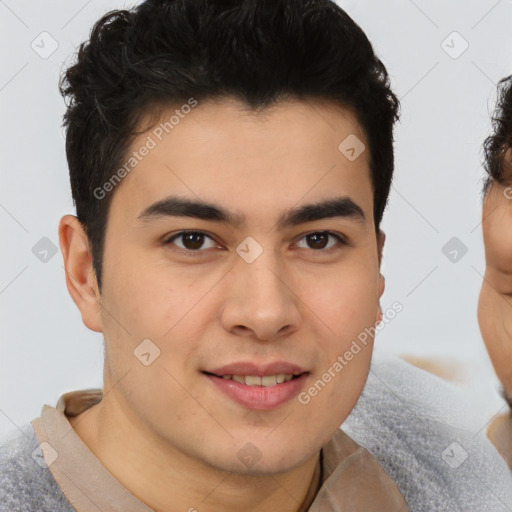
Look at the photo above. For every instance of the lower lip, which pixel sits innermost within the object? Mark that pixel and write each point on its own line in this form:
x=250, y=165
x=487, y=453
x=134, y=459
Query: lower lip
x=262, y=398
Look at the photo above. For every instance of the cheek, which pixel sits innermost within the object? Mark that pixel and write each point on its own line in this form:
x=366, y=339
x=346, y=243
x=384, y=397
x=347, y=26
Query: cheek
x=499, y=347
x=149, y=302
x=346, y=300
x=344, y=314
x=498, y=243
x=483, y=318
x=337, y=384
x=145, y=295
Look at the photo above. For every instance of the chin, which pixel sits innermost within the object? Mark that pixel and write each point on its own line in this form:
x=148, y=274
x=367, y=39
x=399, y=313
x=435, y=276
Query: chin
x=251, y=461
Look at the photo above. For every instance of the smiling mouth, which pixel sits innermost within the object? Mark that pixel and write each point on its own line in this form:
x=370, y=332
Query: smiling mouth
x=255, y=380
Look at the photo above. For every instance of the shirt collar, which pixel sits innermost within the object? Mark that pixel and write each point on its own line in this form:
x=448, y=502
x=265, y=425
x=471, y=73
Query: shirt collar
x=350, y=479
x=500, y=434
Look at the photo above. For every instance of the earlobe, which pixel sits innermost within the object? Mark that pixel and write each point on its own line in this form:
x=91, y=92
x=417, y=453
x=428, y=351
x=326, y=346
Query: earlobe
x=382, y=285
x=381, y=291
x=379, y=316
x=80, y=276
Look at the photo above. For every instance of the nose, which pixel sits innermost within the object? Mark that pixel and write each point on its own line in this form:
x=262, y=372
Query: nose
x=260, y=299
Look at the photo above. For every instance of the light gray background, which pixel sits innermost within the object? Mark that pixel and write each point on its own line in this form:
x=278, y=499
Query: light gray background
x=46, y=350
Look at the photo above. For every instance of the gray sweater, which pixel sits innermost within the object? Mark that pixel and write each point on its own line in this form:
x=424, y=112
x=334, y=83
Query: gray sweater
x=25, y=485
x=414, y=424
x=430, y=439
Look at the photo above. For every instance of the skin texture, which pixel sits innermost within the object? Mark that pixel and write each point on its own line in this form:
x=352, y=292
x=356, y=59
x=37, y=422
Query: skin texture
x=495, y=303
x=164, y=431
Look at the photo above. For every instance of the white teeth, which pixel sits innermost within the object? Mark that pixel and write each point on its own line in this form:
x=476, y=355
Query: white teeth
x=269, y=380
x=253, y=380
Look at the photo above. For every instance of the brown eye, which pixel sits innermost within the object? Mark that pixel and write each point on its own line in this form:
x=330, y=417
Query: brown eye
x=319, y=240
x=190, y=240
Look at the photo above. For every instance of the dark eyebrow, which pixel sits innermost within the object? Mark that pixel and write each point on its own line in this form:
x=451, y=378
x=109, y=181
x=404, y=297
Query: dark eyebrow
x=174, y=206
x=338, y=207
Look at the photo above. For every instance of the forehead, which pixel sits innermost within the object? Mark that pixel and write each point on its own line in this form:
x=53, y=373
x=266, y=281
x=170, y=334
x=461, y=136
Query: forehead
x=223, y=152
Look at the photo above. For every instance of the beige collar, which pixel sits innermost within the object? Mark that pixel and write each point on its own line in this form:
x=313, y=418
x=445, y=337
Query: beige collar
x=500, y=434
x=350, y=478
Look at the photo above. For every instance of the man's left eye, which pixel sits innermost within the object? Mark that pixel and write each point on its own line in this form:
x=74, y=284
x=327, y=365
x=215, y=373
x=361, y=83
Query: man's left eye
x=318, y=240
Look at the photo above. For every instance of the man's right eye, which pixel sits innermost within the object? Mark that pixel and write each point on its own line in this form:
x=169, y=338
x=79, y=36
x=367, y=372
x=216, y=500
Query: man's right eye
x=191, y=241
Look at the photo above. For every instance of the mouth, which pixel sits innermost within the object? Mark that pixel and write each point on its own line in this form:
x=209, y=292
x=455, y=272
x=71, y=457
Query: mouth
x=258, y=392
x=255, y=380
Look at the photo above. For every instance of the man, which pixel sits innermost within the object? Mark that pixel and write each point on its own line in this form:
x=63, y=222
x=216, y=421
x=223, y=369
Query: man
x=495, y=304
x=495, y=301
x=230, y=164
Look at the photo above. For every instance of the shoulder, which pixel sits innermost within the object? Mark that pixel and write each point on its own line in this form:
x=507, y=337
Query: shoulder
x=426, y=436
x=26, y=483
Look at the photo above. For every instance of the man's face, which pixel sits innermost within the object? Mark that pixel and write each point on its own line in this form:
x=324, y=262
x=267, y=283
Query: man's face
x=259, y=292
x=495, y=303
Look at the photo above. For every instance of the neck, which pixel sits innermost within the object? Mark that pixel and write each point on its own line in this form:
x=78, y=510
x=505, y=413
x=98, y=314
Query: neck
x=168, y=480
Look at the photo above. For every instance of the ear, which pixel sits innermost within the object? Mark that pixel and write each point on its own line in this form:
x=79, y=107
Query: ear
x=80, y=277
x=381, y=239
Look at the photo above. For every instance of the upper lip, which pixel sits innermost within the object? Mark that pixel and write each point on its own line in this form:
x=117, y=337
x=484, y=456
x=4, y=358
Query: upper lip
x=260, y=370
